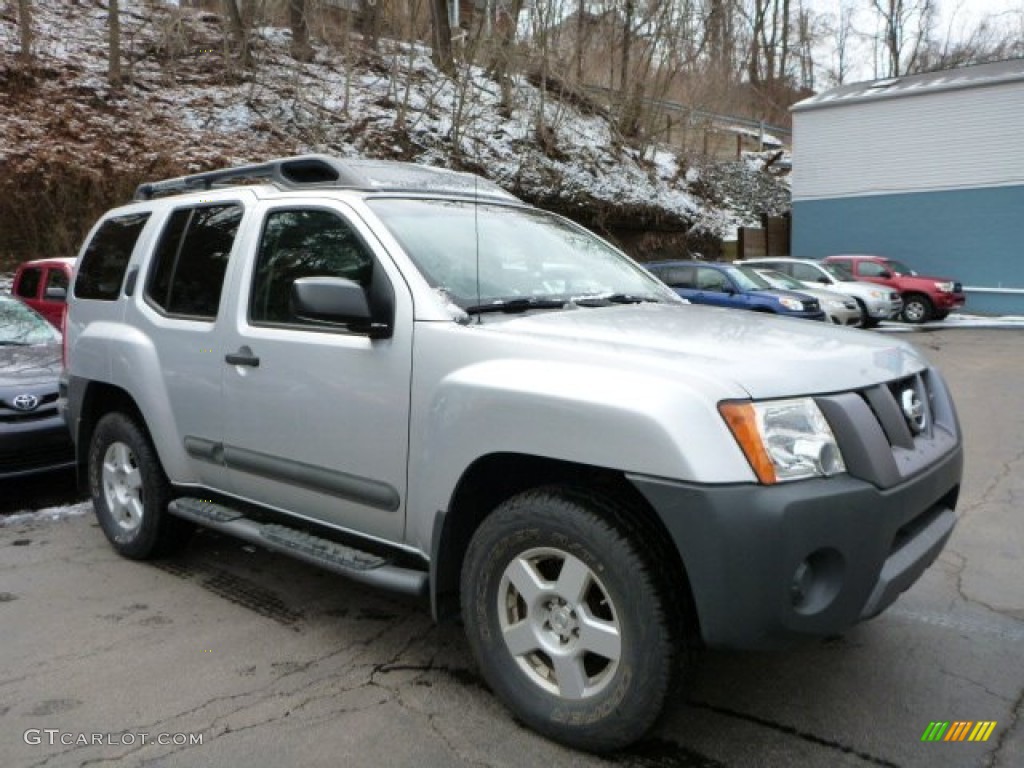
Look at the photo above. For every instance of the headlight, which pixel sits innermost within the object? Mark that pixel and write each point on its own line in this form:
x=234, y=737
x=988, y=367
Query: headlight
x=878, y=294
x=784, y=439
x=792, y=304
x=944, y=287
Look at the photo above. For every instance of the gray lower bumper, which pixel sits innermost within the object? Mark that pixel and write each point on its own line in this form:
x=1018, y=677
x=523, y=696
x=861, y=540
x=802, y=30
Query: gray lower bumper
x=771, y=565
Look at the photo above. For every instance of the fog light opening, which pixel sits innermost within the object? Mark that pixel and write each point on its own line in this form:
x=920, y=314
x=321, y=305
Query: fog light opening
x=816, y=581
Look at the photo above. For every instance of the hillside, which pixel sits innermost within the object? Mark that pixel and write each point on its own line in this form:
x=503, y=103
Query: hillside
x=70, y=146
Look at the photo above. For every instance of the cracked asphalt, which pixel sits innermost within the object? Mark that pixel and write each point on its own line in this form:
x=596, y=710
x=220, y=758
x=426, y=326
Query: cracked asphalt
x=277, y=664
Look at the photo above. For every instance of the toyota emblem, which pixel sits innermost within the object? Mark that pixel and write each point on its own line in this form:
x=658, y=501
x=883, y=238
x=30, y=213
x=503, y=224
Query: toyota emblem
x=25, y=402
x=913, y=411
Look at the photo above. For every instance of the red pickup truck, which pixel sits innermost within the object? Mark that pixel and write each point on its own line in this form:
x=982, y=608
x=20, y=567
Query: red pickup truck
x=924, y=298
x=43, y=285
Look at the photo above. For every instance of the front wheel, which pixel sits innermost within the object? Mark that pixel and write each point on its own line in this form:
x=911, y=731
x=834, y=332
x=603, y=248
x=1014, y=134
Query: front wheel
x=567, y=619
x=917, y=309
x=130, y=492
x=866, y=320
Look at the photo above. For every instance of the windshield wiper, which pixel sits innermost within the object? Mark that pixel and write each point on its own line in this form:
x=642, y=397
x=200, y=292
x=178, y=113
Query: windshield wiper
x=600, y=300
x=12, y=343
x=515, y=305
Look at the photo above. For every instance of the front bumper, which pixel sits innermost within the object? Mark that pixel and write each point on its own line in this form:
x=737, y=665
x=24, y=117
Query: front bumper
x=769, y=565
x=37, y=446
x=884, y=309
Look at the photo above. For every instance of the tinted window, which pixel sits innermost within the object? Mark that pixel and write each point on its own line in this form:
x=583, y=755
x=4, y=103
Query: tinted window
x=106, y=257
x=191, y=259
x=806, y=272
x=677, y=277
x=308, y=243
x=56, y=285
x=871, y=269
x=711, y=280
x=28, y=285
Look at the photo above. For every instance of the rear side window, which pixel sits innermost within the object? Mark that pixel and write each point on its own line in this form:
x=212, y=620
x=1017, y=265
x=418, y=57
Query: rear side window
x=28, y=284
x=106, y=257
x=191, y=258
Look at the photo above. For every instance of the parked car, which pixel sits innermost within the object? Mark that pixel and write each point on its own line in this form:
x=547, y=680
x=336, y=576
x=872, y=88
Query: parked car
x=43, y=285
x=33, y=435
x=408, y=376
x=727, y=285
x=839, y=308
x=876, y=303
x=924, y=297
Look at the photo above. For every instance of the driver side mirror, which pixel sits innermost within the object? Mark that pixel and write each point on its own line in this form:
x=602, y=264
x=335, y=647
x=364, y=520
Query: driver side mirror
x=885, y=274
x=336, y=300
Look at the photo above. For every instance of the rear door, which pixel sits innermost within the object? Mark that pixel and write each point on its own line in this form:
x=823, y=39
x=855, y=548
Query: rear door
x=27, y=285
x=316, y=415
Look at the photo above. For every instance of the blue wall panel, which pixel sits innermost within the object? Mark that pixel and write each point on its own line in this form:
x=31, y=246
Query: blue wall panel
x=971, y=235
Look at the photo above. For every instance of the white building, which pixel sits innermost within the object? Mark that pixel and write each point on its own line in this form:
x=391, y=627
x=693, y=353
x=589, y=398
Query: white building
x=925, y=168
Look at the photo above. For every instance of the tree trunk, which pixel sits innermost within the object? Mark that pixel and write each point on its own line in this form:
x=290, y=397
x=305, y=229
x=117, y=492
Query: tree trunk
x=114, y=38
x=25, y=30
x=442, y=30
x=301, y=50
x=239, y=28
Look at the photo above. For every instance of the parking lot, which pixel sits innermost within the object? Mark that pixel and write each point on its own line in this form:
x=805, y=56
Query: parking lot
x=269, y=662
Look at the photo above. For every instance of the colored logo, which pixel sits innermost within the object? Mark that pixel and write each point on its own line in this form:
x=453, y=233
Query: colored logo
x=959, y=730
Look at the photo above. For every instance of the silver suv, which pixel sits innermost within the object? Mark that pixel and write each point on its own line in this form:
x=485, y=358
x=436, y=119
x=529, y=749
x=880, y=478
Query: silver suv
x=407, y=376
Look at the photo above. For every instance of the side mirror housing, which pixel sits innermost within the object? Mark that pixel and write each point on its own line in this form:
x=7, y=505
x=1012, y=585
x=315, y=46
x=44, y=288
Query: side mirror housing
x=336, y=300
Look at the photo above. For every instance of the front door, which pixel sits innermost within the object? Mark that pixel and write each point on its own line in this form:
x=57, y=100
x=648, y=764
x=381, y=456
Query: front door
x=316, y=416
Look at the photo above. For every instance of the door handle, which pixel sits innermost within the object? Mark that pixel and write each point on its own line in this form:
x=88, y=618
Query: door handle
x=243, y=356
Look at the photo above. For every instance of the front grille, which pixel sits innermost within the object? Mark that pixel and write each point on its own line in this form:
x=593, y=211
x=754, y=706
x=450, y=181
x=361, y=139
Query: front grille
x=879, y=441
x=10, y=415
x=812, y=306
x=893, y=296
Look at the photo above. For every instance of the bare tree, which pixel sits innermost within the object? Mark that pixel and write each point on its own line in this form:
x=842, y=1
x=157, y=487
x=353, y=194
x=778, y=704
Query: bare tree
x=114, y=42
x=25, y=30
x=906, y=26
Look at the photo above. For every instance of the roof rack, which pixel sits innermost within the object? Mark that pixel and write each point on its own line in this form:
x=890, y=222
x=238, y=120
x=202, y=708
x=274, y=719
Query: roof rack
x=304, y=171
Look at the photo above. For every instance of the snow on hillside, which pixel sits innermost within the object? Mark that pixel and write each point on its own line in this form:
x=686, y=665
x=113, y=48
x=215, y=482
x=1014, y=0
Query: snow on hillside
x=188, y=107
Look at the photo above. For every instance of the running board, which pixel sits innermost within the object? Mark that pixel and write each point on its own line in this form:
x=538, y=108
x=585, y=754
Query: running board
x=354, y=563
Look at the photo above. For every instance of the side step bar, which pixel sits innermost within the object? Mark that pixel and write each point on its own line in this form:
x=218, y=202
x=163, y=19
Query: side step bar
x=358, y=565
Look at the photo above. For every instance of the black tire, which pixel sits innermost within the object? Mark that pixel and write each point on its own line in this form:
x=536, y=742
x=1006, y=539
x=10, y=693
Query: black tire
x=540, y=532
x=866, y=321
x=940, y=315
x=917, y=308
x=130, y=492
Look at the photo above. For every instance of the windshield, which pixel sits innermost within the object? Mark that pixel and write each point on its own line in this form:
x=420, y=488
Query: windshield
x=781, y=279
x=22, y=326
x=747, y=279
x=487, y=253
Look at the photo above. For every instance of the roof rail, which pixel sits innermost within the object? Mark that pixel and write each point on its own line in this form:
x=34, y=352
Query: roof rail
x=304, y=171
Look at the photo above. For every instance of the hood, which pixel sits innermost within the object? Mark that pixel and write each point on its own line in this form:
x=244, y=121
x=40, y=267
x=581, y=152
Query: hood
x=35, y=364
x=763, y=355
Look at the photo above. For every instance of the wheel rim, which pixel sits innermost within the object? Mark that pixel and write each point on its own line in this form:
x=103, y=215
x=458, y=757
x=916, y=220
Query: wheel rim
x=122, y=486
x=914, y=311
x=559, y=623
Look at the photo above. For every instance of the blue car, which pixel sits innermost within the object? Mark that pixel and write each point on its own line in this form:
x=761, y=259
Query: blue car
x=729, y=285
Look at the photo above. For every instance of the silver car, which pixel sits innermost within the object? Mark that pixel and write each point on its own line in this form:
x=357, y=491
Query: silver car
x=876, y=302
x=839, y=308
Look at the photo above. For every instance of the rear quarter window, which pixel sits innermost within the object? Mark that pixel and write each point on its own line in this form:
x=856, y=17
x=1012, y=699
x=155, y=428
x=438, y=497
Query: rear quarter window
x=106, y=257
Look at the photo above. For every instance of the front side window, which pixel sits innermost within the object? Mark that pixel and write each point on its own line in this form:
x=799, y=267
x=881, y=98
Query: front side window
x=871, y=269
x=28, y=285
x=712, y=280
x=480, y=253
x=106, y=257
x=191, y=259
x=303, y=243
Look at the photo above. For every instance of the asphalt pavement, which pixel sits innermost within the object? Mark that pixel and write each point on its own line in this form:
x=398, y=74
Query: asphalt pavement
x=268, y=662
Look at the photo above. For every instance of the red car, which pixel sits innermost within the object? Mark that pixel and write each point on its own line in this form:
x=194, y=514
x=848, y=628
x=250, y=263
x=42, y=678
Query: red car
x=43, y=285
x=924, y=298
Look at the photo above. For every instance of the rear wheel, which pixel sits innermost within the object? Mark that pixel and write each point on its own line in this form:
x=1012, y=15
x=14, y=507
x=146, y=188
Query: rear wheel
x=567, y=618
x=917, y=308
x=130, y=491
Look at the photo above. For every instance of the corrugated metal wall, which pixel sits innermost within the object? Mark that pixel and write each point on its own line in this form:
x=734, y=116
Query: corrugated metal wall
x=911, y=143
